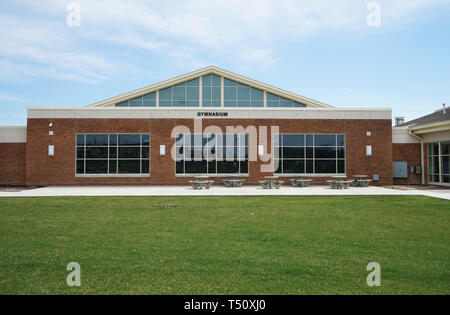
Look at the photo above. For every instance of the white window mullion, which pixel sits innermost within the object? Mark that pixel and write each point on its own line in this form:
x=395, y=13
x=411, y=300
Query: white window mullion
x=200, y=92
x=157, y=98
x=222, y=90
x=440, y=163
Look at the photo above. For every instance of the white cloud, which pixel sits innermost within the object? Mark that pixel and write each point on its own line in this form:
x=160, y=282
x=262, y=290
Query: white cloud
x=6, y=97
x=35, y=48
x=184, y=31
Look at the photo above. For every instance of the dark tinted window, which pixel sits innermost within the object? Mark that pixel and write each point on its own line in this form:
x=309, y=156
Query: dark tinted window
x=96, y=166
x=325, y=140
x=129, y=140
x=123, y=155
x=93, y=140
x=293, y=140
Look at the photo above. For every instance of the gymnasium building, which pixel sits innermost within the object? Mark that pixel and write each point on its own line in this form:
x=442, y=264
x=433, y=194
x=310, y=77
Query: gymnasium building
x=219, y=124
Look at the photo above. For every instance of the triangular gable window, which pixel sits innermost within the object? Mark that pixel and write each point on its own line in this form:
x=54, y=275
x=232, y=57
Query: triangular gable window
x=206, y=91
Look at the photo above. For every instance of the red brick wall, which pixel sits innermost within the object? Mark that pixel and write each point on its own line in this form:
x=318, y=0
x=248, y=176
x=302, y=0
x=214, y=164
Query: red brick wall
x=411, y=153
x=60, y=169
x=12, y=163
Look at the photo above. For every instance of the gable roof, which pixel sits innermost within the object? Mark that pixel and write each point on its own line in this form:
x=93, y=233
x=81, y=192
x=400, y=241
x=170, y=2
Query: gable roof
x=436, y=117
x=205, y=71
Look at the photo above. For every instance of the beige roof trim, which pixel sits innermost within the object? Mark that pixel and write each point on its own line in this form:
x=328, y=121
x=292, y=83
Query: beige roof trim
x=434, y=127
x=196, y=113
x=205, y=71
x=401, y=135
x=16, y=134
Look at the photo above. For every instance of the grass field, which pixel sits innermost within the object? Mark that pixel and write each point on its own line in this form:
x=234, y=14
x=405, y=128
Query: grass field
x=225, y=245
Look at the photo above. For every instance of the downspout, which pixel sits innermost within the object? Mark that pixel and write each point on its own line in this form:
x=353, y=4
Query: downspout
x=422, y=161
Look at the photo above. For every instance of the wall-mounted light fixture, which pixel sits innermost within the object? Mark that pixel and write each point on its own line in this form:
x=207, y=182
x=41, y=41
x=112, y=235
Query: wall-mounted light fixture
x=51, y=150
x=162, y=150
x=368, y=150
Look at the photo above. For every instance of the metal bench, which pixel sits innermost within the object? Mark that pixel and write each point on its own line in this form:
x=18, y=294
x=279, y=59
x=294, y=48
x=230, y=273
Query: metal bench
x=339, y=184
x=332, y=183
x=346, y=184
x=233, y=182
x=265, y=184
x=277, y=184
x=200, y=184
x=365, y=182
x=303, y=182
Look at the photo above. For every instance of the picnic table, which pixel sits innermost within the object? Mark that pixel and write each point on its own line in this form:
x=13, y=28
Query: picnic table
x=234, y=182
x=201, y=182
x=361, y=181
x=299, y=181
x=339, y=182
x=270, y=182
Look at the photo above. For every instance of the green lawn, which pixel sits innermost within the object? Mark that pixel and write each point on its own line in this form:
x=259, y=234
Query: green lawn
x=225, y=245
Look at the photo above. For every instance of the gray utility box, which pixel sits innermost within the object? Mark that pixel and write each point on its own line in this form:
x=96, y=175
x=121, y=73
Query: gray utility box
x=400, y=169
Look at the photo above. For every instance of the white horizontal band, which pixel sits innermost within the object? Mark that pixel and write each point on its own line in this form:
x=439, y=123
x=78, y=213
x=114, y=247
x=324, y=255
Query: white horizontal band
x=209, y=113
x=13, y=134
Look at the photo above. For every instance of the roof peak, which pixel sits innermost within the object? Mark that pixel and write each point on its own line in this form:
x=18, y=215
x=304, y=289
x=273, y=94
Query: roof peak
x=211, y=69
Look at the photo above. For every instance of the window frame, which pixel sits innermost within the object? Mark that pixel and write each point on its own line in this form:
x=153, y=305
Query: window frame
x=305, y=158
x=117, y=159
x=216, y=174
x=261, y=101
x=431, y=157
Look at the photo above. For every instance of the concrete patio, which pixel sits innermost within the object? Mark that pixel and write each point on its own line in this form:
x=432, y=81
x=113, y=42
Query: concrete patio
x=217, y=191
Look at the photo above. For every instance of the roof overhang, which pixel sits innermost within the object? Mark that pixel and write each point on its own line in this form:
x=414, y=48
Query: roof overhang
x=205, y=71
x=430, y=128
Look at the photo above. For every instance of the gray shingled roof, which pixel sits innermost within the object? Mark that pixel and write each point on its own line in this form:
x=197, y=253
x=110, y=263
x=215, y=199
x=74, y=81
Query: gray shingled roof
x=435, y=117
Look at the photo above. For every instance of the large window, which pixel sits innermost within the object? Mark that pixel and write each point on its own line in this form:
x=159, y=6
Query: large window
x=278, y=101
x=240, y=95
x=214, y=91
x=309, y=154
x=148, y=100
x=212, y=154
x=439, y=162
x=211, y=91
x=181, y=95
x=113, y=154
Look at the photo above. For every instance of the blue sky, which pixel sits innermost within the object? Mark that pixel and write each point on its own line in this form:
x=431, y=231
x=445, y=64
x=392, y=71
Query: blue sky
x=324, y=50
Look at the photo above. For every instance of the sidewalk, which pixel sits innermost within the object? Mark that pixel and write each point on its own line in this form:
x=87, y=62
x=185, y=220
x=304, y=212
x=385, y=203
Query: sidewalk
x=218, y=191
